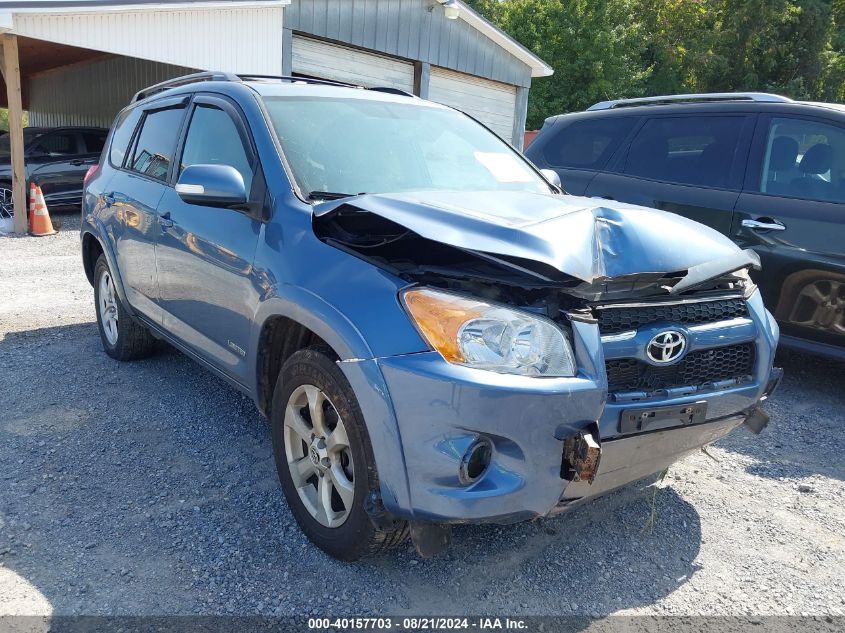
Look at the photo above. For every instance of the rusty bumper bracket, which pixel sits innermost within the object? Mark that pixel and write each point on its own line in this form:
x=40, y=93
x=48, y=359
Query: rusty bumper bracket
x=581, y=457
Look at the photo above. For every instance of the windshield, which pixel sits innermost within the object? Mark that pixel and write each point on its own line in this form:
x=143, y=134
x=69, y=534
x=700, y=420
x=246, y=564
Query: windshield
x=29, y=135
x=351, y=146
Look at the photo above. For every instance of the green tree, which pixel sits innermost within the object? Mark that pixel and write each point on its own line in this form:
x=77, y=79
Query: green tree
x=678, y=41
x=776, y=45
x=603, y=49
x=593, y=47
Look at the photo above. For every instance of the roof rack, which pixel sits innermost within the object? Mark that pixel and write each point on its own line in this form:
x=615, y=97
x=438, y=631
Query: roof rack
x=183, y=81
x=762, y=97
x=303, y=80
x=329, y=82
x=221, y=76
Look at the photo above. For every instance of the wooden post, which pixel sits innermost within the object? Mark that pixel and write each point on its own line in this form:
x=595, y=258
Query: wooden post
x=12, y=75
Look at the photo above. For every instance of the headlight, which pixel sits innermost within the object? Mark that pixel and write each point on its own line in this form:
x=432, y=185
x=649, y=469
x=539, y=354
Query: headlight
x=468, y=331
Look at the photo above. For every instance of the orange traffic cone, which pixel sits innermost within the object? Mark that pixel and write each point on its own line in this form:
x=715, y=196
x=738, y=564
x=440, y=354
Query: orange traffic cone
x=39, y=217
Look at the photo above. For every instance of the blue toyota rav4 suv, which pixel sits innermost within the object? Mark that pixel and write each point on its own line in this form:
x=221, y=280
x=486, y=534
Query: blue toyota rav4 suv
x=436, y=334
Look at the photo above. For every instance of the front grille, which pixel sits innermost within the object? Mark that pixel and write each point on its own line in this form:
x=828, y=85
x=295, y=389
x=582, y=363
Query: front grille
x=622, y=319
x=697, y=368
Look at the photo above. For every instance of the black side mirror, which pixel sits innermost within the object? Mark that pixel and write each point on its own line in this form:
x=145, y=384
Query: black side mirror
x=212, y=186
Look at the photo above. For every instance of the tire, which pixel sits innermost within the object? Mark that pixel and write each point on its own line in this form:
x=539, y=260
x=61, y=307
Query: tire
x=330, y=456
x=122, y=337
x=815, y=300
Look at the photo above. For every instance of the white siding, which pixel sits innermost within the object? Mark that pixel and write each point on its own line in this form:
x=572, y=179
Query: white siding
x=245, y=39
x=491, y=102
x=341, y=63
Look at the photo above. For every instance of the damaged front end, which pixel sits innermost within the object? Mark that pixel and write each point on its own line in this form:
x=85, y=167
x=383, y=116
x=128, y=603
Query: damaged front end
x=672, y=347
x=540, y=252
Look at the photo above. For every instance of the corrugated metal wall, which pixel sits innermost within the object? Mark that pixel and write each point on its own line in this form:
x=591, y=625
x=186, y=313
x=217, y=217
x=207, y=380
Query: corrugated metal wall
x=92, y=93
x=406, y=28
x=240, y=39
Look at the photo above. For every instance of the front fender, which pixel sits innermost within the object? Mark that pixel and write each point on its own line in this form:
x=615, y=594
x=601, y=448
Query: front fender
x=308, y=309
x=359, y=367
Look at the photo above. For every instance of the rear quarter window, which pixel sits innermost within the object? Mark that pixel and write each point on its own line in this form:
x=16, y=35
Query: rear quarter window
x=587, y=144
x=123, y=128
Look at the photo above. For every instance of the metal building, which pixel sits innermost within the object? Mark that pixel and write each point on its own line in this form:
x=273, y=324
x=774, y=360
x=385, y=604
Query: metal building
x=77, y=62
x=464, y=62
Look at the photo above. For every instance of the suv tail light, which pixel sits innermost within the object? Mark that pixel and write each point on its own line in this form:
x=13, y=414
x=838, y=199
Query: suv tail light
x=92, y=171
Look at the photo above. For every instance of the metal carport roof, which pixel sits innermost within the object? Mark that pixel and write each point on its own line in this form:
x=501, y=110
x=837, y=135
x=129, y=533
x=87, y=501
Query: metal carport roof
x=38, y=35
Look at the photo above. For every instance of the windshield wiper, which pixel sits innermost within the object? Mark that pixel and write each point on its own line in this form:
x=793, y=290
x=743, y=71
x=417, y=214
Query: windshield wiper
x=330, y=195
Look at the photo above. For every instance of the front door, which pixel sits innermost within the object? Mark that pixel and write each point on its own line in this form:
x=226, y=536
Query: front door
x=204, y=254
x=691, y=165
x=792, y=212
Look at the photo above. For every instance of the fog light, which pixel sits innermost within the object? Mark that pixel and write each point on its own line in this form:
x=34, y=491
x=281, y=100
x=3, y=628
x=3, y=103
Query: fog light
x=476, y=460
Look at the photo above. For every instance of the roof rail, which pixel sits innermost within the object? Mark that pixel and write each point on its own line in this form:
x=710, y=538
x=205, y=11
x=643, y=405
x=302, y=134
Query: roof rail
x=329, y=82
x=183, y=81
x=392, y=91
x=762, y=97
x=304, y=80
x=221, y=76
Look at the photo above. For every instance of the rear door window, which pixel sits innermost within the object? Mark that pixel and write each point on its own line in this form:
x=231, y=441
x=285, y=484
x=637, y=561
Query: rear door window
x=804, y=159
x=156, y=142
x=587, y=144
x=692, y=150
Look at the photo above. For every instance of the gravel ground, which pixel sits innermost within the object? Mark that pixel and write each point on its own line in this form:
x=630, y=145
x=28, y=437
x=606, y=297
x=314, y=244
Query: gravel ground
x=149, y=488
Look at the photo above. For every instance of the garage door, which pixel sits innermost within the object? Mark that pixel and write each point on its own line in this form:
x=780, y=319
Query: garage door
x=491, y=102
x=330, y=61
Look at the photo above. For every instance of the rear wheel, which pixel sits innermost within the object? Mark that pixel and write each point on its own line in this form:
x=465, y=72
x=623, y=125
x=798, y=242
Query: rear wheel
x=324, y=458
x=122, y=337
x=815, y=300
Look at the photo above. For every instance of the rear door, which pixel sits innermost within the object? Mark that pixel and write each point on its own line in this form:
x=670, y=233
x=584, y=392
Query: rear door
x=578, y=148
x=133, y=193
x=208, y=289
x=691, y=164
x=792, y=212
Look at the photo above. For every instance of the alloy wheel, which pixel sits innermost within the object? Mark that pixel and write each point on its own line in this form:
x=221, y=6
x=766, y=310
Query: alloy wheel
x=821, y=305
x=108, y=308
x=318, y=456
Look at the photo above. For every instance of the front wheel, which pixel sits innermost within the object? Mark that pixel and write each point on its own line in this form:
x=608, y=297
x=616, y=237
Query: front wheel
x=122, y=337
x=324, y=457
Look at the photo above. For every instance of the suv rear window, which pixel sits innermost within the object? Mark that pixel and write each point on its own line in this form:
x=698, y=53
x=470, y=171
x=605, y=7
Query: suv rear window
x=156, y=143
x=587, y=144
x=692, y=150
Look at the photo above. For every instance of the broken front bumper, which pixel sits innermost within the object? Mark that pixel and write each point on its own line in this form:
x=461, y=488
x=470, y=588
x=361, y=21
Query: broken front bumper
x=423, y=414
x=628, y=459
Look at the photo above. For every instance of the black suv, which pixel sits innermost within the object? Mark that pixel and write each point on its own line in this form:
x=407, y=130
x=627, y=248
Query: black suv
x=767, y=171
x=56, y=160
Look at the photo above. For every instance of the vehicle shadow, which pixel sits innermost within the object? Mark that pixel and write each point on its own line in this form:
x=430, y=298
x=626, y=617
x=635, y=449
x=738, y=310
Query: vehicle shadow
x=806, y=414
x=149, y=488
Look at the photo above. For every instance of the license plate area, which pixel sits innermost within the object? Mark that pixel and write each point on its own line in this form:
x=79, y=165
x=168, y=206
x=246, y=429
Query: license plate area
x=638, y=420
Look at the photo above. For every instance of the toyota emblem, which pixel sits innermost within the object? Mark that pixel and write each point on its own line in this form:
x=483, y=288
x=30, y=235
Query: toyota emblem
x=666, y=347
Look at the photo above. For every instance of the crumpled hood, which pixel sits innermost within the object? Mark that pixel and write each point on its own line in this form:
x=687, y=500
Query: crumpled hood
x=587, y=238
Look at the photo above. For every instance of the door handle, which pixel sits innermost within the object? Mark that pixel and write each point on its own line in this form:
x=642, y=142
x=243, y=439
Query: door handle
x=77, y=163
x=763, y=224
x=165, y=221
